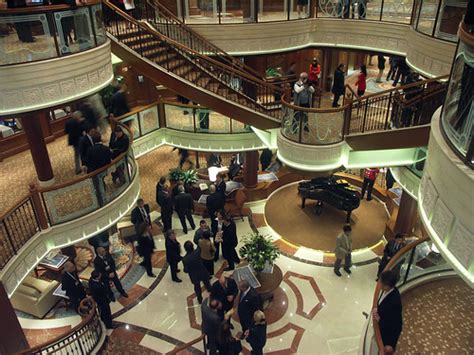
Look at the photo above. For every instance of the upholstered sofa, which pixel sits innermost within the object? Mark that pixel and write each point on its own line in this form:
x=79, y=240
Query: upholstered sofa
x=35, y=296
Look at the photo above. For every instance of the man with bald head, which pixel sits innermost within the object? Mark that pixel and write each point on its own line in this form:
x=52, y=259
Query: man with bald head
x=249, y=302
x=72, y=285
x=105, y=264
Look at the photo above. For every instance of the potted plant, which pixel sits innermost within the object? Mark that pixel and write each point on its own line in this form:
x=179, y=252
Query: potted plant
x=189, y=177
x=176, y=174
x=259, y=251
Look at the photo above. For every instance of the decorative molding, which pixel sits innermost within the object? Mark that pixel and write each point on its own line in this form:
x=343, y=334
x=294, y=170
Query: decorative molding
x=67, y=234
x=407, y=180
x=46, y=83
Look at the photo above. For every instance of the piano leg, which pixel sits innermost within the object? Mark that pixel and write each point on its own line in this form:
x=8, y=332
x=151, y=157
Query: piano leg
x=348, y=218
x=303, y=200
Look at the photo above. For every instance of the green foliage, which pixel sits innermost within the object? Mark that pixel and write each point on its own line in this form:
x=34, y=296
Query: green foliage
x=188, y=177
x=258, y=250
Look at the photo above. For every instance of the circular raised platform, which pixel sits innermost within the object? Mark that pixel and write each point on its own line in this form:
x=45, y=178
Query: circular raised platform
x=303, y=227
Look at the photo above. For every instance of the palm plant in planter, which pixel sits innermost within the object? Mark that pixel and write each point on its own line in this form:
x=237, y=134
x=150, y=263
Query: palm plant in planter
x=176, y=174
x=259, y=251
x=190, y=177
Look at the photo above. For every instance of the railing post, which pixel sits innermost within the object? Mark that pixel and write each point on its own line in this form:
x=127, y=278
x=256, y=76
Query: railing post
x=388, y=110
x=38, y=207
x=161, y=114
x=347, y=120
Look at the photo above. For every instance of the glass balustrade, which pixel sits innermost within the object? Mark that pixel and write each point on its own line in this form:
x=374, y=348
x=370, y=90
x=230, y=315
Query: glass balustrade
x=31, y=34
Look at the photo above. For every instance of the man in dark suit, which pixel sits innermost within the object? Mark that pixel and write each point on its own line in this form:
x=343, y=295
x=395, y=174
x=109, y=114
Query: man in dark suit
x=160, y=186
x=194, y=267
x=105, y=264
x=184, y=205
x=225, y=290
x=392, y=247
x=98, y=155
x=119, y=105
x=72, y=285
x=229, y=243
x=99, y=293
x=119, y=142
x=141, y=214
x=74, y=128
x=249, y=302
x=165, y=202
x=145, y=248
x=221, y=185
x=86, y=142
x=211, y=323
x=214, y=202
x=389, y=309
x=266, y=158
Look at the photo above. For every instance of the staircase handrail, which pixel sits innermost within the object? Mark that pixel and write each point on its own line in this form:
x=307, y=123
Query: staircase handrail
x=216, y=50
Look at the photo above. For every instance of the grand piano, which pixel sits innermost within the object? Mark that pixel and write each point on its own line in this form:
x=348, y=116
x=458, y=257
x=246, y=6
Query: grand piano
x=332, y=190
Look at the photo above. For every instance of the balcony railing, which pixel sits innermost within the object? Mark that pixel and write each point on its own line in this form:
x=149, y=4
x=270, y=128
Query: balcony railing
x=404, y=106
x=416, y=260
x=36, y=33
x=83, y=339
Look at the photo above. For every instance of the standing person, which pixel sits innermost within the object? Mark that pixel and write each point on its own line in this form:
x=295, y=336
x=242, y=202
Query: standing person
x=183, y=157
x=370, y=175
x=393, y=61
x=217, y=232
x=229, y=243
x=119, y=104
x=361, y=82
x=99, y=293
x=225, y=290
x=266, y=158
x=392, y=248
x=145, y=248
x=198, y=235
x=208, y=251
x=214, y=202
x=211, y=322
x=343, y=250
x=221, y=186
x=98, y=155
x=165, y=202
x=72, y=285
x=389, y=310
x=173, y=253
x=226, y=343
x=402, y=72
x=105, y=264
x=194, y=267
x=184, y=206
x=257, y=334
x=74, y=128
x=141, y=214
x=86, y=142
x=302, y=97
x=338, y=84
x=249, y=302
x=118, y=144
x=381, y=67
x=314, y=73
x=214, y=160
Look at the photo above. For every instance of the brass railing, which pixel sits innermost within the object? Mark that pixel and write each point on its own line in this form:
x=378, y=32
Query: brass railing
x=184, y=348
x=83, y=339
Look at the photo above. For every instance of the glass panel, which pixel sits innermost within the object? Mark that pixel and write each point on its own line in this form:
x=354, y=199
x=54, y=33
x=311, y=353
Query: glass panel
x=74, y=29
x=71, y=202
x=200, y=11
x=395, y=10
x=218, y=123
x=113, y=181
x=427, y=16
x=237, y=11
x=458, y=111
x=98, y=23
x=299, y=9
x=321, y=128
x=289, y=126
x=333, y=8
x=180, y=118
x=272, y=10
x=451, y=14
x=238, y=127
x=132, y=123
x=25, y=38
x=149, y=120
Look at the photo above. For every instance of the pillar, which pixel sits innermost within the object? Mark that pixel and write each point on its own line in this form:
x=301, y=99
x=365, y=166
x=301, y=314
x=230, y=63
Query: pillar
x=13, y=339
x=406, y=217
x=34, y=134
x=251, y=169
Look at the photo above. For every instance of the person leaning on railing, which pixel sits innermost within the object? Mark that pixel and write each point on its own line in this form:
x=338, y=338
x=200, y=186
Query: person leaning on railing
x=303, y=97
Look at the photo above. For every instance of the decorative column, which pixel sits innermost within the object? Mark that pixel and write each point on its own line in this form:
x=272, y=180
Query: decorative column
x=13, y=339
x=406, y=217
x=34, y=134
x=251, y=169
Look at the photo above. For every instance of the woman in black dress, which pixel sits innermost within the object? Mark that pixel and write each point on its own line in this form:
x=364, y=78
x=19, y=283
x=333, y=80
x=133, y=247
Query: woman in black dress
x=145, y=247
x=257, y=334
x=173, y=254
x=229, y=243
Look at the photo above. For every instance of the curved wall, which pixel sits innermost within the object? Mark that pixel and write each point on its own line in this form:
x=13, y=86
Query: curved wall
x=446, y=203
x=428, y=55
x=45, y=83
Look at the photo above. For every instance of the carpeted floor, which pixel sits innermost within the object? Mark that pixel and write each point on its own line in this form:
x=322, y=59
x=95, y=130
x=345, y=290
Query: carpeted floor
x=303, y=227
x=438, y=319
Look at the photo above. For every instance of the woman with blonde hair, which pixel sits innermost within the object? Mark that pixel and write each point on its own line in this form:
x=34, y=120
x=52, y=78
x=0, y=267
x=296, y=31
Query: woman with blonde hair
x=257, y=334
